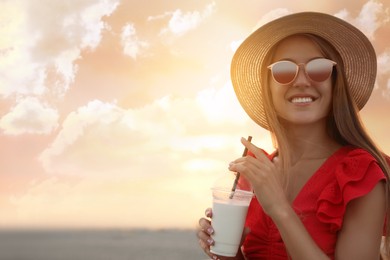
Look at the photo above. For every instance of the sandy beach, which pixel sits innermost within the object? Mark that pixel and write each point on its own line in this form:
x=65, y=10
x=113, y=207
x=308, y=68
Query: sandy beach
x=99, y=245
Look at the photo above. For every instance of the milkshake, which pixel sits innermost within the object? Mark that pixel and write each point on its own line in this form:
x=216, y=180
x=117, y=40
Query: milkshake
x=229, y=213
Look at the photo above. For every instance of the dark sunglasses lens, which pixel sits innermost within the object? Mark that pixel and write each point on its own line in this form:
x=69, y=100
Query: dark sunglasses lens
x=319, y=70
x=284, y=71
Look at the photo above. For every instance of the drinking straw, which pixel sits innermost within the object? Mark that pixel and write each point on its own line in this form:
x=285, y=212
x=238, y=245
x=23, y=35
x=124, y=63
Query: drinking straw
x=238, y=174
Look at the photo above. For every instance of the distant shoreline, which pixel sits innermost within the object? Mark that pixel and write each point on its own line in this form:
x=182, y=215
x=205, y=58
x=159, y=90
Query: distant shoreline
x=95, y=229
x=104, y=244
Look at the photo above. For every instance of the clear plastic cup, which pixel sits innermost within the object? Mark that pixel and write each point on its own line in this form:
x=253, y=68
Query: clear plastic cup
x=229, y=214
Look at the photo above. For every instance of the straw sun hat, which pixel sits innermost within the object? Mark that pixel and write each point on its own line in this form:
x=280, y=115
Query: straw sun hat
x=355, y=49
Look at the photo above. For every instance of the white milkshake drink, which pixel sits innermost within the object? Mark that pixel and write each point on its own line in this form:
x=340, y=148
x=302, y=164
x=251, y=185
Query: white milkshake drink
x=229, y=213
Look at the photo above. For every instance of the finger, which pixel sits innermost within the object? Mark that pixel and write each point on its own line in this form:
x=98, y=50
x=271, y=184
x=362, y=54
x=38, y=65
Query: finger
x=205, y=248
x=259, y=153
x=205, y=226
x=204, y=223
x=206, y=238
x=205, y=241
x=245, y=160
x=209, y=213
x=246, y=166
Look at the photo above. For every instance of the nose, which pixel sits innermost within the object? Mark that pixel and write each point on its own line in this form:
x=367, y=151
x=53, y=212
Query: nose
x=301, y=79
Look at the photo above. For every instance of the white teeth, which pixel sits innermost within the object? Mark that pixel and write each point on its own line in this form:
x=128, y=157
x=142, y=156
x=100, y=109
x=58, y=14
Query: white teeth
x=302, y=100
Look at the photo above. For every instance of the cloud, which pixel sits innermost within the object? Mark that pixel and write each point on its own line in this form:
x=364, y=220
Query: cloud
x=102, y=139
x=272, y=15
x=170, y=149
x=371, y=17
x=132, y=46
x=30, y=116
x=384, y=63
x=47, y=41
x=180, y=23
x=384, y=72
x=85, y=139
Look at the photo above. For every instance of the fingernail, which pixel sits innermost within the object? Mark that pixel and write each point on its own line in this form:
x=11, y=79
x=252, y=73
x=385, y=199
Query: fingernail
x=208, y=213
x=210, y=230
x=231, y=165
x=210, y=241
x=214, y=257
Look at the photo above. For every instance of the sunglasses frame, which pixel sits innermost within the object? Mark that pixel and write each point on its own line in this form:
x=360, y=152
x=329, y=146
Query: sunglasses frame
x=298, y=65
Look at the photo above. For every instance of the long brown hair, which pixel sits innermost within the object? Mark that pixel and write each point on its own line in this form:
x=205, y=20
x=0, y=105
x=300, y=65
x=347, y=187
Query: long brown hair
x=344, y=124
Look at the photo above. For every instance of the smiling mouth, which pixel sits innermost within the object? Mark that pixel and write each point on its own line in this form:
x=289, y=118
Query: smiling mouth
x=301, y=100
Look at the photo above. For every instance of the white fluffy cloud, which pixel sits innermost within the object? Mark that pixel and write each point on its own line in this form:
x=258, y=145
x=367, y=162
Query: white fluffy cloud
x=29, y=116
x=102, y=139
x=43, y=39
x=170, y=149
x=384, y=63
x=180, y=23
x=132, y=45
x=371, y=17
x=384, y=72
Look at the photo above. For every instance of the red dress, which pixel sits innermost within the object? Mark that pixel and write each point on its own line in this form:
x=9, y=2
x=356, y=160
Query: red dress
x=348, y=174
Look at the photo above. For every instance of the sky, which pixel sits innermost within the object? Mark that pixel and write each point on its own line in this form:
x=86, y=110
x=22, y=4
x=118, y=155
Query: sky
x=120, y=113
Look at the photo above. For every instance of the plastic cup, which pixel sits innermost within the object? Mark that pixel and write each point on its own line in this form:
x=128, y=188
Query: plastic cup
x=229, y=214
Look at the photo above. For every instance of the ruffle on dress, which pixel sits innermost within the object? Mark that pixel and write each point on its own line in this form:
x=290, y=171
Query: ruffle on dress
x=355, y=176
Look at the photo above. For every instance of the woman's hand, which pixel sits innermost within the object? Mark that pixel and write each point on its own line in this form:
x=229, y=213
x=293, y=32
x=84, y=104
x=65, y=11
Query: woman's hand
x=263, y=174
x=204, y=233
x=205, y=240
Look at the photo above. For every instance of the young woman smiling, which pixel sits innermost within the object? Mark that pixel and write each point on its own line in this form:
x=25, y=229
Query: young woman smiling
x=323, y=193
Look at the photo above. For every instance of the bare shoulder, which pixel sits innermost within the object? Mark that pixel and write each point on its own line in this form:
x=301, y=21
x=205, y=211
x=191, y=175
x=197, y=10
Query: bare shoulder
x=360, y=236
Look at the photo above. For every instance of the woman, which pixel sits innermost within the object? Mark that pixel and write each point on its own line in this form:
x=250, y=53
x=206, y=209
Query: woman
x=323, y=193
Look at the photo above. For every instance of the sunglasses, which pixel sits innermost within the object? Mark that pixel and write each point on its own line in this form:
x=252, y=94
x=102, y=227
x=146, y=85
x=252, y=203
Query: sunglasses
x=318, y=70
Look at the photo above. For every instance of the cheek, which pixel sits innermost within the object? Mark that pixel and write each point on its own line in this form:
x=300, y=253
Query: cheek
x=277, y=94
x=327, y=94
x=327, y=90
x=272, y=90
x=329, y=101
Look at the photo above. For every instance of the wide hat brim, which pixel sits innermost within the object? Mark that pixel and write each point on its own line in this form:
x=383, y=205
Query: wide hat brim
x=355, y=49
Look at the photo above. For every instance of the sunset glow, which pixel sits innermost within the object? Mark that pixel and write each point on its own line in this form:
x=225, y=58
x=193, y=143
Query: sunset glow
x=120, y=113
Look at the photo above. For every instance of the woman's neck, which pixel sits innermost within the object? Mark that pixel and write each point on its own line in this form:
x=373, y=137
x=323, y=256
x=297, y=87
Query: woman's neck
x=310, y=142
